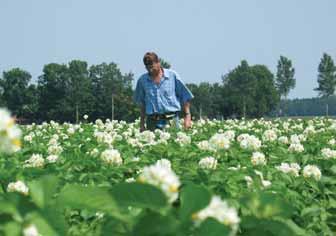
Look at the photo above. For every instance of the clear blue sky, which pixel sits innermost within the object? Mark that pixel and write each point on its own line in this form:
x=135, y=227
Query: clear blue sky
x=201, y=39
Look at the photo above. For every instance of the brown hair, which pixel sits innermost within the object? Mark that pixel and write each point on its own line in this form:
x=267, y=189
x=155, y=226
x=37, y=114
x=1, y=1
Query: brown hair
x=150, y=57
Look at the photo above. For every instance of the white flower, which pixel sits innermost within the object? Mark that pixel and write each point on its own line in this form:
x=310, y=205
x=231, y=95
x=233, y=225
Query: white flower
x=295, y=139
x=219, y=210
x=183, y=139
x=28, y=138
x=163, y=178
x=292, y=168
x=55, y=149
x=164, y=136
x=208, y=163
x=94, y=152
x=135, y=159
x=130, y=180
x=164, y=163
x=249, y=142
x=332, y=142
x=204, y=145
x=230, y=134
x=147, y=137
x=52, y=158
x=269, y=135
x=71, y=130
x=85, y=117
x=283, y=139
x=19, y=187
x=30, y=230
x=266, y=183
x=248, y=180
x=9, y=133
x=111, y=156
x=296, y=147
x=328, y=153
x=312, y=171
x=219, y=141
x=36, y=160
x=258, y=158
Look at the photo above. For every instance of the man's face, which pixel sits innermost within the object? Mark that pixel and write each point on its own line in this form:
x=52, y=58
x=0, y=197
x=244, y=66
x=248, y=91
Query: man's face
x=153, y=68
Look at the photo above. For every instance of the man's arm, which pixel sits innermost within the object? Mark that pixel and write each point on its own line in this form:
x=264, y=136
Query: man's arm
x=185, y=96
x=187, y=115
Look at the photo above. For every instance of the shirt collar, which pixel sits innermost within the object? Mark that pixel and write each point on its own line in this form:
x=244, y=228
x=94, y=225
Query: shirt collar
x=165, y=74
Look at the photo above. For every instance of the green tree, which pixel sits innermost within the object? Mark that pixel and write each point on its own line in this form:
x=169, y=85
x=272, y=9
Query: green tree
x=2, y=100
x=14, y=90
x=165, y=64
x=80, y=95
x=285, y=80
x=112, y=92
x=240, y=84
x=266, y=97
x=249, y=91
x=54, y=87
x=30, y=109
x=326, y=78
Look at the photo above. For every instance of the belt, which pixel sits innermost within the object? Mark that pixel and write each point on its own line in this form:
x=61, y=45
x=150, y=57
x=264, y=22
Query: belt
x=165, y=116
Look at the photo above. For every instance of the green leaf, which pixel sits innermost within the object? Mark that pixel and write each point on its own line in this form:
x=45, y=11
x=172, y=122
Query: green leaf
x=43, y=225
x=7, y=208
x=333, y=169
x=312, y=211
x=139, y=195
x=91, y=198
x=113, y=227
x=23, y=204
x=193, y=199
x=12, y=229
x=154, y=224
x=254, y=226
x=211, y=227
x=266, y=205
x=42, y=190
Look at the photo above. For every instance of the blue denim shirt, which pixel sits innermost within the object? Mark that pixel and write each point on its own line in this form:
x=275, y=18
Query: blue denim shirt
x=168, y=96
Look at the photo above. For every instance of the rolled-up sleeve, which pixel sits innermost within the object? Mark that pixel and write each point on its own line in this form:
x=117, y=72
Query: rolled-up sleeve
x=182, y=92
x=139, y=94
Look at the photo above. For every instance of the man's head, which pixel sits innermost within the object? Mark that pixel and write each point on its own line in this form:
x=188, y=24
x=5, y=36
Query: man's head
x=152, y=63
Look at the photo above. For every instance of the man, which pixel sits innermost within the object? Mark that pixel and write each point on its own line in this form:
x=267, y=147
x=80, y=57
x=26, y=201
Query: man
x=161, y=95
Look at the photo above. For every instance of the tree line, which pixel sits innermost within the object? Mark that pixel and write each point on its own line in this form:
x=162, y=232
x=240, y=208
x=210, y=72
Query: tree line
x=65, y=92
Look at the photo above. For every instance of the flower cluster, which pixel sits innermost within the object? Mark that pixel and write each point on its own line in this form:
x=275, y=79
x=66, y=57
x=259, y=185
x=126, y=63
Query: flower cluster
x=249, y=142
x=183, y=139
x=204, y=145
x=19, y=187
x=9, y=133
x=36, y=160
x=30, y=230
x=270, y=135
x=111, y=156
x=220, y=141
x=162, y=177
x=208, y=163
x=296, y=147
x=292, y=168
x=219, y=210
x=258, y=158
x=312, y=171
x=327, y=153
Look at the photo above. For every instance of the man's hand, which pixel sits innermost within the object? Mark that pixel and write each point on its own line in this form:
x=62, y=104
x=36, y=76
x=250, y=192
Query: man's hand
x=187, y=121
